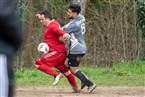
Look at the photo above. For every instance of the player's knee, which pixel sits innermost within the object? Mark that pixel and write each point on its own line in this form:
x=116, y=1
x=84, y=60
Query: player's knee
x=38, y=63
x=41, y=67
x=66, y=64
x=67, y=73
x=37, y=66
x=73, y=70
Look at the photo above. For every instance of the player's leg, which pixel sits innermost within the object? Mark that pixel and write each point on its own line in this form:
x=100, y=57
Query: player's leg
x=73, y=63
x=60, y=66
x=45, y=64
x=85, y=81
x=48, y=70
x=70, y=77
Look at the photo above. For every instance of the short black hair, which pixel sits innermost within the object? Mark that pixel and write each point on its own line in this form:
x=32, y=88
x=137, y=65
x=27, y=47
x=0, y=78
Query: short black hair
x=46, y=14
x=75, y=8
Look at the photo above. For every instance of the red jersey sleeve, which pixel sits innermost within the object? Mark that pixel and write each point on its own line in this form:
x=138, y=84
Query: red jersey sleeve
x=57, y=30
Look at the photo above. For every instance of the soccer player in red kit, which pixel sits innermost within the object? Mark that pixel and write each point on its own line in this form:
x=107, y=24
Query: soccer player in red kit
x=57, y=52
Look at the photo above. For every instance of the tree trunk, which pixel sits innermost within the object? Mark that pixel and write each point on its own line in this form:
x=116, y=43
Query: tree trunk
x=45, y=4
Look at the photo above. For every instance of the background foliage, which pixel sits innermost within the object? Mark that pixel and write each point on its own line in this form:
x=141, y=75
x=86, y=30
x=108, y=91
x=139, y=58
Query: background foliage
x=141, y=24
x=111, y=30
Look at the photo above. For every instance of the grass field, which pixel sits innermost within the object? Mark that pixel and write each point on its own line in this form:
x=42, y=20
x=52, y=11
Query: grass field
x=123, y=74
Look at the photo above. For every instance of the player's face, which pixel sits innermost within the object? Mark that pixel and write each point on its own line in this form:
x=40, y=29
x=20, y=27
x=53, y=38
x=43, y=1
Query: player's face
x=43, y=20
x=70, y=14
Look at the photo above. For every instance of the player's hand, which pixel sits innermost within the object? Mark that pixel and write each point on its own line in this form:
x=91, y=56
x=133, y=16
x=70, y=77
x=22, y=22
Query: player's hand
x=38, y=16
x=64, y=38
x=64, y=27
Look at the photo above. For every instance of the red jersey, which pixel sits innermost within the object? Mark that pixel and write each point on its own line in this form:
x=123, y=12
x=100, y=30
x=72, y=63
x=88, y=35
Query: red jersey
x=51, y=37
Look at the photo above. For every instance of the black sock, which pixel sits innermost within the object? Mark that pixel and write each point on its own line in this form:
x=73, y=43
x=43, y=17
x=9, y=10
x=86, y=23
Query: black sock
x=83, y=78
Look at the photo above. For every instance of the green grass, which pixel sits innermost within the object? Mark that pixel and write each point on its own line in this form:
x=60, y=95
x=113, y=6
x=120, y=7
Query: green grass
x=123, y=74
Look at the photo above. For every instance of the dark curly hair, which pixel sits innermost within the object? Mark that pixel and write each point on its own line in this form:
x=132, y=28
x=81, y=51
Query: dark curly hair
x=46, y=14
x=75, y=8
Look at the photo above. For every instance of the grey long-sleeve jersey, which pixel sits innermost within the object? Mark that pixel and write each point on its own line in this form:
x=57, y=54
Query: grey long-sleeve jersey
x=76, y=28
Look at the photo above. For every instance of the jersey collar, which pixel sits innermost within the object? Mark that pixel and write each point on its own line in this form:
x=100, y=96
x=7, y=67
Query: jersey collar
x=50, y=22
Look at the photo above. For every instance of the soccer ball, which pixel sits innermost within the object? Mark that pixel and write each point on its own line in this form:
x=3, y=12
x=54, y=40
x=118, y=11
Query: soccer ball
x=43, y=48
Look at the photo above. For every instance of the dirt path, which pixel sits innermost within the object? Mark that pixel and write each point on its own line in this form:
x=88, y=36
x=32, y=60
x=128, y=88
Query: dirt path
x=67, y=92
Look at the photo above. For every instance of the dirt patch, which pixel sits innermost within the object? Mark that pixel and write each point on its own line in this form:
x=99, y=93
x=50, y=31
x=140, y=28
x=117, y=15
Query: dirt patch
x=67, y=92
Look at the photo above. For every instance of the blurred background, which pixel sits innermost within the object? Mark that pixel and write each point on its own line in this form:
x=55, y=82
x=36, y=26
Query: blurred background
x=115, y=30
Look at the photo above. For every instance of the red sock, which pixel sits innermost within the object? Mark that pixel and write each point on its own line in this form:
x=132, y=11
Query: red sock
x=70, y=77
x=72, y=81
x=48, y=70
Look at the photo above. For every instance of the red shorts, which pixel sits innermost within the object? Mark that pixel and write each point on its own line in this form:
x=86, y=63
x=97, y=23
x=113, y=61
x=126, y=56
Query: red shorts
x=52, y=59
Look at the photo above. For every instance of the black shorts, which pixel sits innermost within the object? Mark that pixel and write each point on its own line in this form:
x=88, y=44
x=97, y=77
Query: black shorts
x=74, y=59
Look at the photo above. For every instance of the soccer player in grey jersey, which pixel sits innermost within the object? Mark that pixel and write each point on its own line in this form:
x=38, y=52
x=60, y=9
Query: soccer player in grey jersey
x=77, y=46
